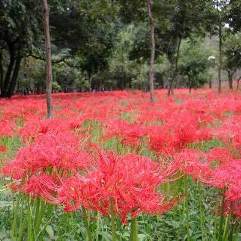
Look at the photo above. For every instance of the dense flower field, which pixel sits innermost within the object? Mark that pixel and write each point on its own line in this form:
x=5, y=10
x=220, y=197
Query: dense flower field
x=113, y=166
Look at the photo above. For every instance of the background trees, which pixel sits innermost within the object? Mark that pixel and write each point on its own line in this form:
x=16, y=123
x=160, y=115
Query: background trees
x=19, y=31
x=194, y=65
x=232, y=52
x=105, y=44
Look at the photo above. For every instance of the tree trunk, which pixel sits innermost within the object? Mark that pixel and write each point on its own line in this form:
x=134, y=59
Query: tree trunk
x=1, y=72
x=230, y=79
x=49, y=74
x=90, y=83
x=190, y=84
x=220, y=57
x=8, y=75
x=210, y=84
x=153, y=49
x=123, y=85
x=238, y=83
x=13, y=82
x=170, y=90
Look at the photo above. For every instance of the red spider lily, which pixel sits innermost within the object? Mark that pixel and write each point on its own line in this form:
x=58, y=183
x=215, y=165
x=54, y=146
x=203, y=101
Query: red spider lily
x=127, y=185
x=232, y=208
x=215, y=168
x=3, y=149
x=161, y=139
x=225, y=175
x=43, y=186
x=6, y=128
x=195, y=164
x=36, y=127
x=129, y=134
x=219, y=154
x=230, y=131
x=53, y=150
x=176, y=132
x=38, y=168
x=232, y=203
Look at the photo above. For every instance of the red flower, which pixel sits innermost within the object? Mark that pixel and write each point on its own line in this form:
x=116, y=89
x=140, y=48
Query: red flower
x=130, y=134
x=6, y=128
x=127, y=184
x=195, y=164
x=3, y=149
x=43, y=186
x=53, y=150
x=39, y=168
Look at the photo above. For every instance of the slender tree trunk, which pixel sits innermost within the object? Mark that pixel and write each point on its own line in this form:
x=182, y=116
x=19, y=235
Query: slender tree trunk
x=1, y=72
x=238, y=83
x=220, y=57
x=230, y=79
x=139, y=82
x=153, y=49
x=190, y=84
x=49, y=74
x=13, y=82
x=173, y=80
x=123, y=85
x=210, y=84
x=90, y=83
x=123, y=76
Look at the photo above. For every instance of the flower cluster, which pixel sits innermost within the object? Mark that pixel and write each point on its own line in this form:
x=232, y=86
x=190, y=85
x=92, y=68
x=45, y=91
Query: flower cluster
x=57, y=164
x=218, y=169
x=120, y=184
x=40, y=168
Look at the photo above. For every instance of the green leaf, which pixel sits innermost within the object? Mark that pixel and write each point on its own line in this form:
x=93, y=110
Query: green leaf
x=50, y=232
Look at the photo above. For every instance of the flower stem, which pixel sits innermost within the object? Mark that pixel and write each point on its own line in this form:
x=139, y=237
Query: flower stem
x=38, y=215
x=134, y=230
x=222, y=219
x=87, y=225
x=233, y=229
x=30, y=221
x=113, y=223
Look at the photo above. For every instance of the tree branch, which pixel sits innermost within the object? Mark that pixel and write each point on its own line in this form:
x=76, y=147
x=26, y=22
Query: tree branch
x=57, y=61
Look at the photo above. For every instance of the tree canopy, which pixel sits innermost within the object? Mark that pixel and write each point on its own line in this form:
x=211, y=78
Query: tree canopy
x=105, y=44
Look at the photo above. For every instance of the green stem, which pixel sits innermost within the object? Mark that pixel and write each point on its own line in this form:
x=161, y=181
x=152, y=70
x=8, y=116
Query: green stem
x=225, y=231
x=221, y=221
x=201, y=209
x=40, y=207
x=134, y=230
x=230, y=238
x=185, y=207
x=98, y=226
x=113, y=223
x=14, y=223
x=19, y=221
x=233, y=229
x=87, y=225
x=30, y=221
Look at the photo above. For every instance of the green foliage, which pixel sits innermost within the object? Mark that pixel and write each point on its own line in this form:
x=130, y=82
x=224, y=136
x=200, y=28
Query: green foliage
x=105, y=44
x=19, y=24
x=232, y=51
x=233, y=17
x=70, y=78
x=128, y=72
x=194, y=64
